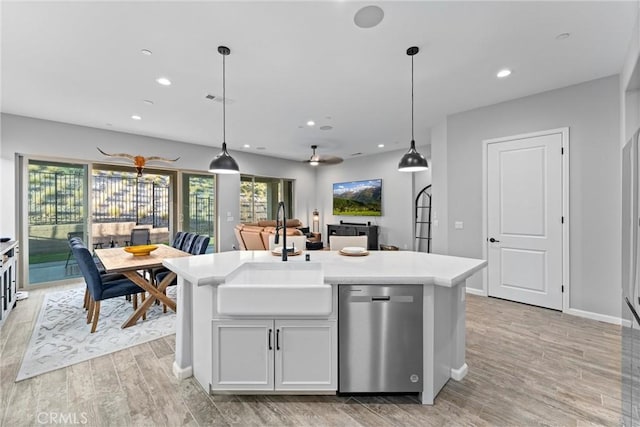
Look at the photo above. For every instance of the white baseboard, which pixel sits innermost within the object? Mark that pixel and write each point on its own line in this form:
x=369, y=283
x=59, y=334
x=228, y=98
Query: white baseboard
x=572, y=311
x=594, y=316
x=180, y=373
x=460, y=373
x=474, y=291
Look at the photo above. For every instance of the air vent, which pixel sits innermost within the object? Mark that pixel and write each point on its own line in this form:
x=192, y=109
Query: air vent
x=218, y=99
x=326, y=127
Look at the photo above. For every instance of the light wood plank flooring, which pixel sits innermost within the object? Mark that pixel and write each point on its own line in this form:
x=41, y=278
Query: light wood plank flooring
x=527, y=366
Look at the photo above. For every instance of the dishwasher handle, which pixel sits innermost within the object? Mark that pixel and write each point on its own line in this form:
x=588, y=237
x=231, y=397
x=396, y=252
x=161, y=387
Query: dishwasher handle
x=383, y=298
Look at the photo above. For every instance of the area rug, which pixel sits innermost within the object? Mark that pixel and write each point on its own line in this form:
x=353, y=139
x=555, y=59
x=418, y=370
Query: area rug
x=62, y=337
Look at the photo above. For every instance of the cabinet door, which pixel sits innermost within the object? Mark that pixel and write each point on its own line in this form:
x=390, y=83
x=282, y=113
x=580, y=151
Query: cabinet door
x=306, y=355
x=243, y=355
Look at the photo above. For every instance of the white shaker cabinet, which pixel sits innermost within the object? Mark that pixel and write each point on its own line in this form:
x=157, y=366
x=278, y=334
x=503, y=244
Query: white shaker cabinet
x=273, y=355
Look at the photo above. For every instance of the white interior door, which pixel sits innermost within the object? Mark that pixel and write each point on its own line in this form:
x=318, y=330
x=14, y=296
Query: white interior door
x=524, y=219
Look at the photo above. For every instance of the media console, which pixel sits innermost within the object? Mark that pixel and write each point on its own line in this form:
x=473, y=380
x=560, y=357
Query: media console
x=355, y=229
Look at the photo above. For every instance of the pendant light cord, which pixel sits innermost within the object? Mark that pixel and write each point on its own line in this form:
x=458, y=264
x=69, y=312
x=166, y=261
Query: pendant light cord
x=412, y=138
x=224, y=100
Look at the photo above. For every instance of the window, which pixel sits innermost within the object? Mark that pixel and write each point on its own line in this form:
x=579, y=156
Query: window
x=123, y=197
x=259, y=197
x=198, y=204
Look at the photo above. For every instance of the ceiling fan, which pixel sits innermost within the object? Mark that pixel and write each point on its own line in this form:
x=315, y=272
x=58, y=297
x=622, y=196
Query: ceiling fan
x=317, y=160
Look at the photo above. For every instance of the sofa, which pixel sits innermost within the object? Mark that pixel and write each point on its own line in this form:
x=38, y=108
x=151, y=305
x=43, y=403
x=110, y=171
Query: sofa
x=255, y=236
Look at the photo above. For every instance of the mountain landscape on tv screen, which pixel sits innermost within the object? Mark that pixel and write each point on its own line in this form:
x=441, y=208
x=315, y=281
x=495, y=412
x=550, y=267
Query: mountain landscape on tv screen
x=361, y=198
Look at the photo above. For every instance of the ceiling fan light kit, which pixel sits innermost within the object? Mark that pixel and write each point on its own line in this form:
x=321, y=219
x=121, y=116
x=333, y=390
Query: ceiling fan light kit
x=412, y=161
x=317, y=160
x=223, y=163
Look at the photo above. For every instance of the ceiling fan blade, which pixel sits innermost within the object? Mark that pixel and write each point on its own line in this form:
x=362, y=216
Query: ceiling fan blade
x=330, y=160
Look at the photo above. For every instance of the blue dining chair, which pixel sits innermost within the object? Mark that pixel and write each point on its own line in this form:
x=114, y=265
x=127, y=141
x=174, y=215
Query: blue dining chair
x=188, y=242
x=199, y=247
x=178, y=240
x=177, y=243
x=99, y=290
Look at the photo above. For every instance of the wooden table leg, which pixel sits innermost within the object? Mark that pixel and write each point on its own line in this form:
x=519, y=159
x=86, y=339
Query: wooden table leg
x=154, y=293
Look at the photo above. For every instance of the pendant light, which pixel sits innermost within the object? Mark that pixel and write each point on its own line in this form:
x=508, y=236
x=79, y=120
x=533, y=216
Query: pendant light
x=412, y=161
x=223, y=162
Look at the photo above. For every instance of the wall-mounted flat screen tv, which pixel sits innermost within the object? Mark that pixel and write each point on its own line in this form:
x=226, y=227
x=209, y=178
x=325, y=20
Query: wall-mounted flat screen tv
x=358, y=198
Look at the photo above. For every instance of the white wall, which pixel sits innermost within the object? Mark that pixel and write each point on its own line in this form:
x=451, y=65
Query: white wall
x=591, y=110
x=396, y=222
x=630, y=85
x=53, y=139
x=440, y=233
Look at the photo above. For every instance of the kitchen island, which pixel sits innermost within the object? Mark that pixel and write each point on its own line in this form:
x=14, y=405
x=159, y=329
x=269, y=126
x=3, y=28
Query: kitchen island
x=227, y=350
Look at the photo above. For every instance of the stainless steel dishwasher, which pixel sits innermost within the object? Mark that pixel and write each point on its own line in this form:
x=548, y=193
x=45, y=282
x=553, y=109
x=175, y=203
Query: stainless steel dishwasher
x=380, y=338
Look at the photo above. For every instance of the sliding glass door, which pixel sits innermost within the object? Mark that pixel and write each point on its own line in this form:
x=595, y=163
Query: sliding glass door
x=101, y=204
x=56, y=209
x=122, y=201
x=259, y=197
x=198, y=205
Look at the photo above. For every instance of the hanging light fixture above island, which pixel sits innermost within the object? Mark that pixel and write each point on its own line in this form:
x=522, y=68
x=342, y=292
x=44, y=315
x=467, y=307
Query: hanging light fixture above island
x=223, y=162
x=412, y=161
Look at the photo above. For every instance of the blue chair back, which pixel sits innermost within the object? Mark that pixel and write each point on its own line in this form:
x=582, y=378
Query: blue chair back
x=187, y=244
x=179, y=239
x=89, y=270
x=200, y=245
x=140, y=236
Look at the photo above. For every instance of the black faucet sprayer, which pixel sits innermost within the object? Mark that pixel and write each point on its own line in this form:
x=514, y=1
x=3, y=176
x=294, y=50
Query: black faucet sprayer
x=282, y=227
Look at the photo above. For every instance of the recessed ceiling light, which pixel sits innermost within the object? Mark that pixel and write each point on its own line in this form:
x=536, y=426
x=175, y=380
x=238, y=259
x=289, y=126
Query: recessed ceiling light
x=563, y=36
x=311, y=123
x=163, y=81
x=246, y=146
x=146, y=52
x=147, y=101
x=368, y=17
x=503, y=73
x=136, y=117
x=380, y=145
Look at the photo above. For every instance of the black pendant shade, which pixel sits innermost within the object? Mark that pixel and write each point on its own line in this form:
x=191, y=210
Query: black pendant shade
x=412, y=161
x=223, y=162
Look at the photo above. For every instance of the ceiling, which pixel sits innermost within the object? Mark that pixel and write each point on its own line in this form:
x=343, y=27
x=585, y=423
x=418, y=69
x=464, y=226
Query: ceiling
x=290, y=62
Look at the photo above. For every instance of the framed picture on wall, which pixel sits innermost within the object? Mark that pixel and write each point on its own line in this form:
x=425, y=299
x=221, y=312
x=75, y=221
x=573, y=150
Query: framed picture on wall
x=358, y=198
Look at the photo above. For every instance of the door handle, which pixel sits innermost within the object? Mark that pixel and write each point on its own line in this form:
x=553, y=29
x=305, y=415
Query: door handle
x=492, y=240
x=277, y=339
x=270, y=332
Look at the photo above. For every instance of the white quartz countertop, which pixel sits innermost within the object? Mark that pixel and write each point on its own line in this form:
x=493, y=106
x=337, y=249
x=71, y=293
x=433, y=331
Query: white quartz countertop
x=379, y=267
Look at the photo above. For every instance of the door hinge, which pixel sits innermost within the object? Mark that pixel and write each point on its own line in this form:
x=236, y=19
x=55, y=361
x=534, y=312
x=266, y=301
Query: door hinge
x=562, y=219
x=561, y=150
x=562, y=288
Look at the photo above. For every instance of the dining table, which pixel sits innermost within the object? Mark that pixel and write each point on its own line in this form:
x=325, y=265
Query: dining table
x=133, y=267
